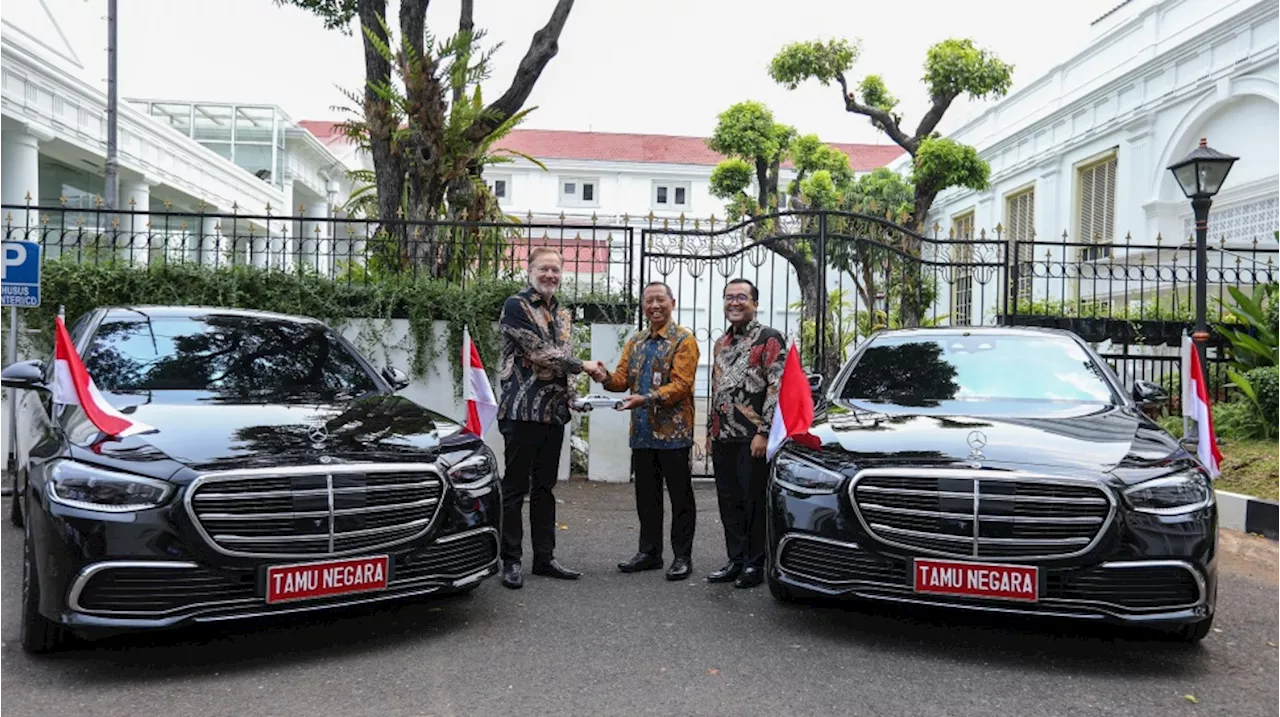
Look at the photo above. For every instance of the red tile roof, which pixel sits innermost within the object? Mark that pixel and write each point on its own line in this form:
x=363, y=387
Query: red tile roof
x=641, y=148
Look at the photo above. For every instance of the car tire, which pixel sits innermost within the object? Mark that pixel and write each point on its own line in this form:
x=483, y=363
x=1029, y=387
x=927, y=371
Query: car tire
x=15, y=503
x=40, y=635
x=779, y=591
x=1195, y=632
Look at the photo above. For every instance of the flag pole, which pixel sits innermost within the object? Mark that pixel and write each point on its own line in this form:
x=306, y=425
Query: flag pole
x=1182, y=383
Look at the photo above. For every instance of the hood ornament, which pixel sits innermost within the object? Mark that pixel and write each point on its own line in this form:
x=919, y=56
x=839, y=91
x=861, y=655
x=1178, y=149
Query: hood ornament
x=977, y=441
x=318, y=436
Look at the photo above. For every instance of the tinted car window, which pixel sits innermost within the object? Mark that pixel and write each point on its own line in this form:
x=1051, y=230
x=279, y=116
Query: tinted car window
x=226, y=358
x=927, y=371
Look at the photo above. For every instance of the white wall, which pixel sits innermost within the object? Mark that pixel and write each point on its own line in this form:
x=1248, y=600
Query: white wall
x=1160, y=76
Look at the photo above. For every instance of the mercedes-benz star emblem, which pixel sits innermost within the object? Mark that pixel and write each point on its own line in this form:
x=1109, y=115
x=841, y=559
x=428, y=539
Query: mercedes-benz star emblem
x=977, y=440
x=318, y=436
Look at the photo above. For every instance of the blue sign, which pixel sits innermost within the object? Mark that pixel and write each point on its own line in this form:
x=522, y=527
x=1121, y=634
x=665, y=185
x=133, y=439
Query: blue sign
x=20, y=274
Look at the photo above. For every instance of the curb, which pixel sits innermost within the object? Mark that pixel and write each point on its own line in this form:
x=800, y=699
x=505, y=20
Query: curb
x=1248, y=514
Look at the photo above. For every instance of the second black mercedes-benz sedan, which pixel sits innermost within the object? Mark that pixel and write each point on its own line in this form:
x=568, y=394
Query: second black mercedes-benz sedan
x=285, y=474
x=1004, y=470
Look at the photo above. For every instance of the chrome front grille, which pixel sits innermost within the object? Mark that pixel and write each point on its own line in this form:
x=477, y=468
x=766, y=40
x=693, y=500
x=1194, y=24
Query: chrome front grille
x=981, y=514
x=314, y=510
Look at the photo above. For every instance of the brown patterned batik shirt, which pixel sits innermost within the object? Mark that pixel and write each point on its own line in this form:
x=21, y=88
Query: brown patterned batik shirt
x=745, y=375
x=537, y=360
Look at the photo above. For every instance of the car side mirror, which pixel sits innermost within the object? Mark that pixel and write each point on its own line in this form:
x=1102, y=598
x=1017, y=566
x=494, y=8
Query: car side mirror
x=1147, y=394
x=397, y=378
x=815, y=386
x=24, y=375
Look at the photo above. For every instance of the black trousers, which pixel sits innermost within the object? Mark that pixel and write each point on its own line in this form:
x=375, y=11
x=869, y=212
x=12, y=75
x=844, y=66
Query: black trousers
x=533, y=466
x=741, y=482
x=651, y=468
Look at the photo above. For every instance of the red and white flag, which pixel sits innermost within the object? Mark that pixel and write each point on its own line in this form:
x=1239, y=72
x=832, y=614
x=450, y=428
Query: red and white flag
x=793, y=417
x=73, y=386
x=1195, y=405
x=481, y=405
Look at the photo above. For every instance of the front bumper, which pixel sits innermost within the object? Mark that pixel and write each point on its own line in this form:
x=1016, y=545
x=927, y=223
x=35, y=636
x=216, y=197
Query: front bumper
x=103, y=574
x=1146, y=570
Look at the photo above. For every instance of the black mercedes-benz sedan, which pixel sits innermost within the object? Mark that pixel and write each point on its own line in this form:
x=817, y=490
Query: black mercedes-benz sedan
x=285, y=474
x=996, y=469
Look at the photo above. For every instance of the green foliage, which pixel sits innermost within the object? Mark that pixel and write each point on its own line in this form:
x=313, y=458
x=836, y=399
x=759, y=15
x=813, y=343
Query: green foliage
x=882, y=192
x=941, y=163
x=876, y=93
x=477, y=305
x=748, y=131
x=954, y=67
x=819, y=190
x=822, y=61
x=1251, y=349
x=1239, y=421
x=337, y=14
x=731, y=178
x=1265, y=381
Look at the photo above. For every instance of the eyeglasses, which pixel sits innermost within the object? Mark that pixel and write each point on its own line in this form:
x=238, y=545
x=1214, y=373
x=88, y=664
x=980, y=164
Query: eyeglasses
x=737, y=298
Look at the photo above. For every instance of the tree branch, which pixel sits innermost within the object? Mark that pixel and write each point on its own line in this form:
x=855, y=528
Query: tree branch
x=544, y=46
x=931, y=118
x=887, y=122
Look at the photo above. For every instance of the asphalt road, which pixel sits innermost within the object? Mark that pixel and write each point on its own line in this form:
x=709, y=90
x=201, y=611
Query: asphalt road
x=614, y=644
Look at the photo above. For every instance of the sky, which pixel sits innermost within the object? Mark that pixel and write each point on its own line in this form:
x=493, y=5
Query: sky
x=652, y=66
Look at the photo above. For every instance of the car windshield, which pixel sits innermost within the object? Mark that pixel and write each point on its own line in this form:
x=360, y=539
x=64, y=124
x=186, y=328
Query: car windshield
x=225, y=358
x=926, y=371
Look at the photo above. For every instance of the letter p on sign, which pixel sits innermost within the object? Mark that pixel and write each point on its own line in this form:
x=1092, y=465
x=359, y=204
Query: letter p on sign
x=15, y=254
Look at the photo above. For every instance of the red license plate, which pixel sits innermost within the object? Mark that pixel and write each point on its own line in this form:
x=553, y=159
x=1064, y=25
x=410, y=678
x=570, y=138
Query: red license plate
x=307, y=581
x=989, y=580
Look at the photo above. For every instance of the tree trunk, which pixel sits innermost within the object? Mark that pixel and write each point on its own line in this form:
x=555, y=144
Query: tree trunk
x=388, y=169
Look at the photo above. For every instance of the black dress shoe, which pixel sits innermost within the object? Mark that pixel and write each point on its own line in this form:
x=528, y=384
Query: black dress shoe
x=512, y=577
x=680, y=569
x=749, y=578
x=727, y=574
x=641, y=561
x=553, y=569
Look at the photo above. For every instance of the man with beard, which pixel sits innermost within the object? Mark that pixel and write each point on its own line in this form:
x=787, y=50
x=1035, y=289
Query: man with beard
x=745, y=376
x=658, y=366
x=537, y=362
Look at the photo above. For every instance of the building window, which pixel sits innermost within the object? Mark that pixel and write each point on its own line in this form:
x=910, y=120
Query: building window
x=962, y=272
x=671, y=196
x=1020, y=230
x=579, y=192
x=1097, y=217
x=500, y=185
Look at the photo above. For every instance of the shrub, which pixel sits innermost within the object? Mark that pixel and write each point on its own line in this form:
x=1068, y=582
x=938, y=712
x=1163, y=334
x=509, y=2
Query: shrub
x=1266, y=385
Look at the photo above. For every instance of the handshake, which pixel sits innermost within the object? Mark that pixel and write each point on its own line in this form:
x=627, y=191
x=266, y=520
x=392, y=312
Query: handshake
x=596, y=370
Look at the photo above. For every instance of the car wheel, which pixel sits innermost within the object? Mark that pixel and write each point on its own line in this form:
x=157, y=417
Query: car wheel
x=15, y=503
x=779, y=591
x=40, y=635
x=1195, y=632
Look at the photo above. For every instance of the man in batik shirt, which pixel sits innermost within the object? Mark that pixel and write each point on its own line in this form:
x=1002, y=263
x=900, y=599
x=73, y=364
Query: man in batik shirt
x=537, y=361
x=658, y=366
x=746, y=372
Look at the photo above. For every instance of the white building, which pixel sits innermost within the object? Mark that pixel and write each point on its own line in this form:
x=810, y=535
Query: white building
x=179, y=157
x=1085, y=148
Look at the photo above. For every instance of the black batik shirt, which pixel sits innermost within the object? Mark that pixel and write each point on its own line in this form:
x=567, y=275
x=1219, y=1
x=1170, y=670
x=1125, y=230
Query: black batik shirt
x=537, y=360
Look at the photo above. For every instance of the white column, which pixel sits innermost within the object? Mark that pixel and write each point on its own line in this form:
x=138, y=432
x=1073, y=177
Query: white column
x=135, y=236
x=20, y=183
x=285, y=248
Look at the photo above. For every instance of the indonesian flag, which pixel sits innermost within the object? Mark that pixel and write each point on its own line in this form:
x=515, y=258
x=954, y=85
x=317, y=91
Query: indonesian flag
x=1195, y=405
x=793, y=417
x=73, y=386
x=481, y=405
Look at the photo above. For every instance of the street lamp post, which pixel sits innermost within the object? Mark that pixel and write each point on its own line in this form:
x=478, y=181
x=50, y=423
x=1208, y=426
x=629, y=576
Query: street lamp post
x=1200, y=175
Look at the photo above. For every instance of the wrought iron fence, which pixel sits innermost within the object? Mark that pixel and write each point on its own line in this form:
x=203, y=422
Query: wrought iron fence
x=598, y=260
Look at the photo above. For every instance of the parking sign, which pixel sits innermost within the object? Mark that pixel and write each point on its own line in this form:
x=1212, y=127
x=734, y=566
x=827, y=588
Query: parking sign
x=20, y=274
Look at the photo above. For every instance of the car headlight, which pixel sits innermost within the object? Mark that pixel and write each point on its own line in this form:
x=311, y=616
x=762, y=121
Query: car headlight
x=470, y=470
x=1175, y=494
x=804, y=477
x=87, y=487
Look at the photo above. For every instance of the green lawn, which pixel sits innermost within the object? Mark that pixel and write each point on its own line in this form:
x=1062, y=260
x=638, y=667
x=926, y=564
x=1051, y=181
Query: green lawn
x=1251, y=468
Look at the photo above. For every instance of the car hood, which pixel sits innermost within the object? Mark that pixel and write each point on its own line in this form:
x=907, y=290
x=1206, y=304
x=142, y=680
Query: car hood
x=1068, y=438
x=218, y=436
